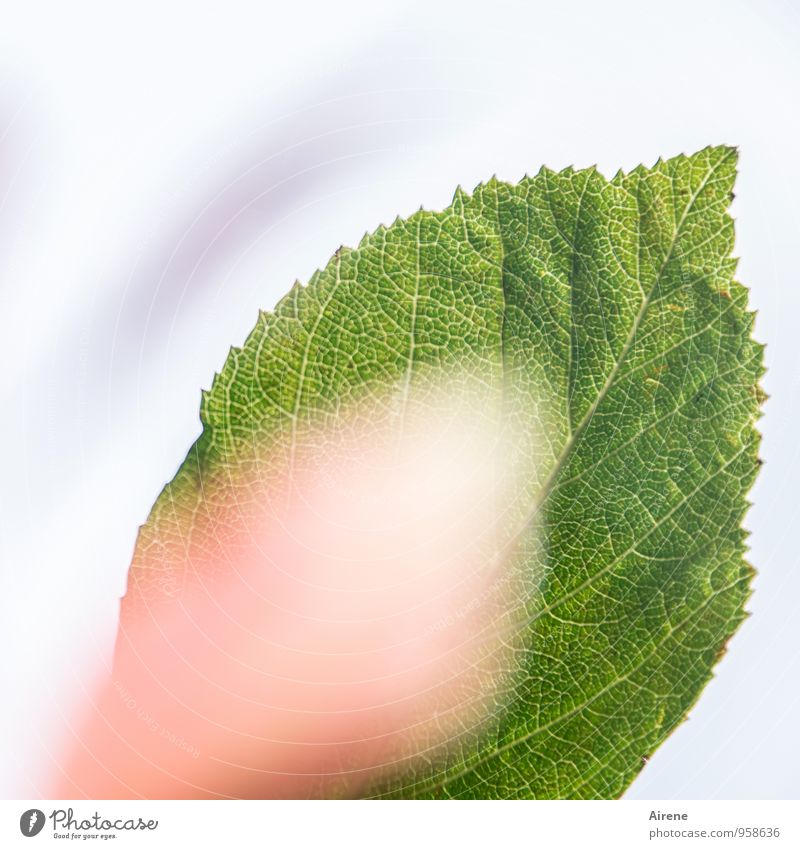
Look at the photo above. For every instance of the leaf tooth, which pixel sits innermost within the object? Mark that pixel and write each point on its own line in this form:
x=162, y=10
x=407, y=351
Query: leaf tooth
x=210, y=391
x=721, y=652
x=617, y=180
x=467, y=196
x=724, y=146
x=378, y=231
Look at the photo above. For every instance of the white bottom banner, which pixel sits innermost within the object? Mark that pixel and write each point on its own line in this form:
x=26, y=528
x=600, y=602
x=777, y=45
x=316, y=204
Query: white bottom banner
x=405, y=825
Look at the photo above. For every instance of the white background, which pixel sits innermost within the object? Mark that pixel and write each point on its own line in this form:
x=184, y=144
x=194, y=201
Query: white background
x=166, y=169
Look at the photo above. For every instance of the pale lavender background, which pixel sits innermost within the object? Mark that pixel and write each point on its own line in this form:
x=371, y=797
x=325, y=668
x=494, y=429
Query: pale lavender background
x=166, y=171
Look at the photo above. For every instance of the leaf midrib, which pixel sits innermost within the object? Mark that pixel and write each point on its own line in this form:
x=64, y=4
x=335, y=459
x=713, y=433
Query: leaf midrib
x=569, y=446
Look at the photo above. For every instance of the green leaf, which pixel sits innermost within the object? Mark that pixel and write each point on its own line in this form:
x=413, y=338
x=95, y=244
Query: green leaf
x=606, y=315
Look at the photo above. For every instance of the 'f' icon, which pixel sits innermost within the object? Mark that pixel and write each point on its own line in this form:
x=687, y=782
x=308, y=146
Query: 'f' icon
x=31, y=822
